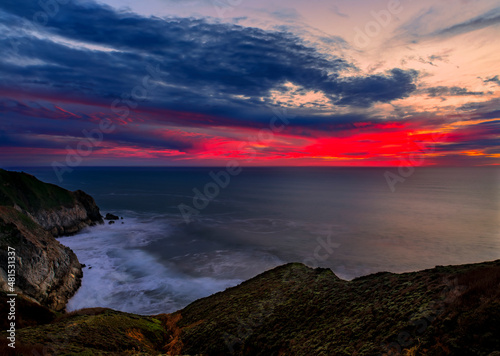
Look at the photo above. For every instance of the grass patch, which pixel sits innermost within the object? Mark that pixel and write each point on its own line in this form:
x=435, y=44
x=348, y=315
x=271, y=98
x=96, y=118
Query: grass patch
x=95, y=331
x=31, y=194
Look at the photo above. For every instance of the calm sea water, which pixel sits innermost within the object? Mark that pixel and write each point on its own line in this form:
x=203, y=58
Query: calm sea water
x=348, y=220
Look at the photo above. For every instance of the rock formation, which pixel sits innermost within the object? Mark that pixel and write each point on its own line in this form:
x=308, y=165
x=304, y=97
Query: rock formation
x=31, y=214
x=46, y=271
x=110, y=216
x=57, y=210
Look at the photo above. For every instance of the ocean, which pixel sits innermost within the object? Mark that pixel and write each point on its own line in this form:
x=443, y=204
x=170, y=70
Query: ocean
x=187, y=233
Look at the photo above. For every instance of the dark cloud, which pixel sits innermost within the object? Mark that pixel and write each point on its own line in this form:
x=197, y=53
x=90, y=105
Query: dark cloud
x=60, y=138
x=473, y=137
x=150, y=140
x=203, y=66
x=450, y=91
x=493, y=150
x=489, y=115
x=494, y=80
x=472, y=144
x=363, y=91
x=435, y=57
x=210, y=83
x=482, y=110
x=490, y=18
x=31, y=141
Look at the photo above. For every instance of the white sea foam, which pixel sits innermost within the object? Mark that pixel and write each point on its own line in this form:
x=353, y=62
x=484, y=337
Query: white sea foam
x=120, y=274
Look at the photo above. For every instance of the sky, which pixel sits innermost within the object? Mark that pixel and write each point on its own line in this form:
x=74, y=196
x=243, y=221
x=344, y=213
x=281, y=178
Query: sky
x=259, y=83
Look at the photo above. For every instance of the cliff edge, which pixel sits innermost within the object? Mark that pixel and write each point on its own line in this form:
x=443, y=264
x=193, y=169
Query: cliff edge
x=55, y=209
x=32, y=213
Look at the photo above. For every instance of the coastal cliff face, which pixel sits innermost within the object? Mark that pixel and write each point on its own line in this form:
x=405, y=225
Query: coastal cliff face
x=64, y=220
x=57, y=210
x=46, y=271
x=32, y=213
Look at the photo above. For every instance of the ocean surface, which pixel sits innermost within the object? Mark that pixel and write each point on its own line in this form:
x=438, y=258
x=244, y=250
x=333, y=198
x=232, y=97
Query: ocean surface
x=346, y=219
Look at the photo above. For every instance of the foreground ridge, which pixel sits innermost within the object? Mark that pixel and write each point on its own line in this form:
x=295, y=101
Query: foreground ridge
x=296, y=310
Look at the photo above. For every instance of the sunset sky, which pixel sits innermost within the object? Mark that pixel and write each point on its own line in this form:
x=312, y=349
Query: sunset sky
x=203, y=82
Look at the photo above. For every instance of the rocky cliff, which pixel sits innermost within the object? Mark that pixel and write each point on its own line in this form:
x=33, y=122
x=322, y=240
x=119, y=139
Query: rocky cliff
x=31, y=214
x=46, y=271
x=55, y=209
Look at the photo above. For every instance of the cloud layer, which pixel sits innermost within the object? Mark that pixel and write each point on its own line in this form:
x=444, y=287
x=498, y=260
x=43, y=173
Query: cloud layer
x=200, y=90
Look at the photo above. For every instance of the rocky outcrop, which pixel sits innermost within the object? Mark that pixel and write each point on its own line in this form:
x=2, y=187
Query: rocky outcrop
x=32, y=213
x=55, y=209
x=68, y=220
x=110, y=216
x=46, y=271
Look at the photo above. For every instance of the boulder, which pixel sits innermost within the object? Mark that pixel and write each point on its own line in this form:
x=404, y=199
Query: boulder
x=110, y=216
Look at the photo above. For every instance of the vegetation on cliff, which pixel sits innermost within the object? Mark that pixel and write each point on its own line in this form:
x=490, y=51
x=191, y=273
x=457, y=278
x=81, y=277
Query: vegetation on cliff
x=296, y=310
x=55, y=209
x=96, y=331
x=31, y=194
